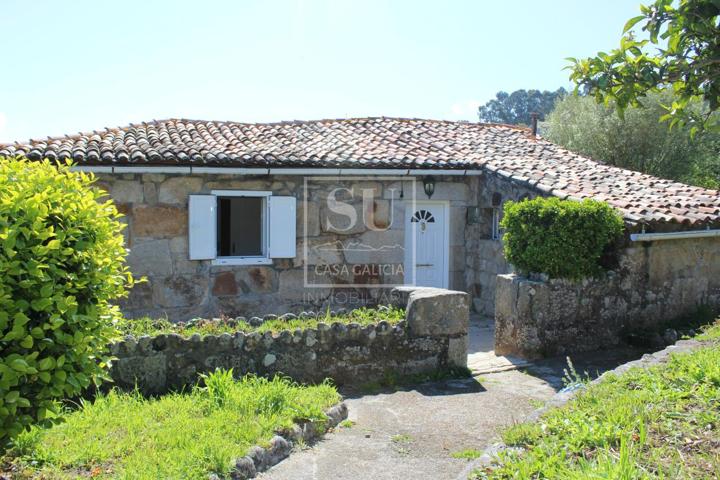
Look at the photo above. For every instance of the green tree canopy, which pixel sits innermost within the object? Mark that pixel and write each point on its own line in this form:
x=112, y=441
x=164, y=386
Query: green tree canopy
x=515, y=108
x=637, y=141
x=680, y=48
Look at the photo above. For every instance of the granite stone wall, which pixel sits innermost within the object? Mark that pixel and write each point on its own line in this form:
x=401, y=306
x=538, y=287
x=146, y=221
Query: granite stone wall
x=155, y=206
x=433, y=336
x=485, y=259
x=655, y=282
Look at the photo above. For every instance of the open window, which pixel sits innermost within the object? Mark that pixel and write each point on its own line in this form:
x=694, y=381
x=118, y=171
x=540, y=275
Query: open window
x=236, y=227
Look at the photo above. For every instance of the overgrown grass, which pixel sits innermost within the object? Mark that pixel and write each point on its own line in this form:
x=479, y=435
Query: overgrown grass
x=363, y=316
x=182, y=435
x=660, y=422
x=467, y=454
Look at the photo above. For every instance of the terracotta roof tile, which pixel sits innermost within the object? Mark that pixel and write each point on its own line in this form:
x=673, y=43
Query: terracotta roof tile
x=507, y=151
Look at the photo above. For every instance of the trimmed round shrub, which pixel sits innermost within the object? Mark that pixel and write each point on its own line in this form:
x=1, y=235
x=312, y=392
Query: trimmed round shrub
x=61, y=264
x=561, y=238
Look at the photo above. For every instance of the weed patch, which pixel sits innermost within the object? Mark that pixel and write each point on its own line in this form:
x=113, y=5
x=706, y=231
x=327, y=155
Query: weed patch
x=658, y=422
x=181, y=435
x=467, y=454
x=362, y=316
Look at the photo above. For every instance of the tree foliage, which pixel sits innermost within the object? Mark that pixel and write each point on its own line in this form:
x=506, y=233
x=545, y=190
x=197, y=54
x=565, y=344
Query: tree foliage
x=515, y=108
x=681, y=49
x=562, y=238
x=637, y=141
x=61, y=264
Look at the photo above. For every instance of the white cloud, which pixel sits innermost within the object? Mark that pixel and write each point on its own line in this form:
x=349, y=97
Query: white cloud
x=466, y=110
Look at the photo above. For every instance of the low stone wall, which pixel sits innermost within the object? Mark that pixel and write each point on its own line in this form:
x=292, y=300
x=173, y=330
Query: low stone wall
x=433, y=336
x=653, y=284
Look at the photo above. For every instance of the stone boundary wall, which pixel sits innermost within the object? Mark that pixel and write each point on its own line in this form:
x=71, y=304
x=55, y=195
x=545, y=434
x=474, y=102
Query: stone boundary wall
x=433, y=336
x=653, y=284
x=259, y=459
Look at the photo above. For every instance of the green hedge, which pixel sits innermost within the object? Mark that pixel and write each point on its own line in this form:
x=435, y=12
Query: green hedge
x=61, y=262
x=562, y=238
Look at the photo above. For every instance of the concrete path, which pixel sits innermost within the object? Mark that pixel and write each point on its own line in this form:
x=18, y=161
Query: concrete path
x=481, y=358
x=411, y=433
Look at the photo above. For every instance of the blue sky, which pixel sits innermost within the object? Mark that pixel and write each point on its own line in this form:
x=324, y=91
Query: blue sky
x=84, y=65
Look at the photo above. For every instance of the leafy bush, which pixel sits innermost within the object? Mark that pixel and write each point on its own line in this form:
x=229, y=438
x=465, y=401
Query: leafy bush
x=562, y=238
x=61, y=263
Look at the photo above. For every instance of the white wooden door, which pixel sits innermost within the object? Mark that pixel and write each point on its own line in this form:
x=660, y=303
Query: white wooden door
x=426, y=245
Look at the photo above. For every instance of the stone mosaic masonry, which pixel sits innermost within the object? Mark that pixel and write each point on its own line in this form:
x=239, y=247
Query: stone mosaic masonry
x=433, y=336
x=654, y=283
x=156, y=212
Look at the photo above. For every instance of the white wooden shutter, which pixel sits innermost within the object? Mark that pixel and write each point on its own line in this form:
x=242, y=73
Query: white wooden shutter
x=202, y=227
x=281, y=229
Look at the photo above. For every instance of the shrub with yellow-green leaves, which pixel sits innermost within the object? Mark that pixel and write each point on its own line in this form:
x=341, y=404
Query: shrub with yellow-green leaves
x=62, y=261
x=562, y=238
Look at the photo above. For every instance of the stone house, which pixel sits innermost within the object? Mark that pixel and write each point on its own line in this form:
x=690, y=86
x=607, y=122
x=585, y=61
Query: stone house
x=240, y=219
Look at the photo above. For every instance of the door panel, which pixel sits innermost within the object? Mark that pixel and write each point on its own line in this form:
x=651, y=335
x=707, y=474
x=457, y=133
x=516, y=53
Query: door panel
x=426, y=224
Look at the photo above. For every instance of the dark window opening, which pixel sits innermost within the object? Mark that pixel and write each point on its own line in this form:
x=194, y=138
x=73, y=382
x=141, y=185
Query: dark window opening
x=240, y=226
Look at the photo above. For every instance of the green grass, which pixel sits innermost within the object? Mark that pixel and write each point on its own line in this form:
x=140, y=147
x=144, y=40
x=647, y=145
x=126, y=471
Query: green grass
x=401, y=438
x=183, y=435
x=659, y=422
x=362, y=316
x=467, y=454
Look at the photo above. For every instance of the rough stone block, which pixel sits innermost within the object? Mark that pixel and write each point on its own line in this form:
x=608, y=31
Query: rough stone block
x=341, y=222
x=458, y=351
x=224, y=284
x=379, y=215
x=435, y=311
x=326, y=250
x=457, y=225
x=150, y=257
x=150, y=193
x=308, y=218
x=153, y=177
x=175, y=190
x=127, y=191
x=373, y=247
x=159, y=221
x=148, y=372
x=181, y=291
x=183, y=265
x=179, y=244
x=457, y=258
x=258, y=279
x=140, y=296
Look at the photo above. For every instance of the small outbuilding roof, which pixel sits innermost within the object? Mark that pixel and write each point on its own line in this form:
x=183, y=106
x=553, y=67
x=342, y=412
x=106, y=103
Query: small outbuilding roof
x=507, y=151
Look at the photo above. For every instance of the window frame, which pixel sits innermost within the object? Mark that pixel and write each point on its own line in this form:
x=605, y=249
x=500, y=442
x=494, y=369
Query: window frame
x=496, y=233
x=263, y=259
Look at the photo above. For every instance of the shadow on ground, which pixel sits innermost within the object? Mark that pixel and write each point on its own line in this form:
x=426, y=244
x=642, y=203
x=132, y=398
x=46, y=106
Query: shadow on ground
x=429, y=388
x=587, y=364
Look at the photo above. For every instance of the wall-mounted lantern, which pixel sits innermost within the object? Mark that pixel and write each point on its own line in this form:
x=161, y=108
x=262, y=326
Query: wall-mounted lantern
x=429, y=185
